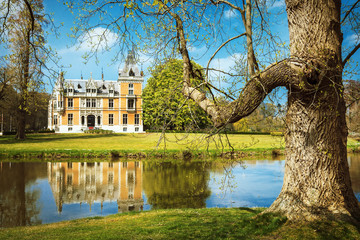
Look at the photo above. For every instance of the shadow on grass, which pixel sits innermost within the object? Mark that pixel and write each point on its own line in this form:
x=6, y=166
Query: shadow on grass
x=38, y=138
x=319, y=230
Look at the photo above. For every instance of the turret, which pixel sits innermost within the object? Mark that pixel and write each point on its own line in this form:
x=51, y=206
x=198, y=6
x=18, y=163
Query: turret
x=130, y=69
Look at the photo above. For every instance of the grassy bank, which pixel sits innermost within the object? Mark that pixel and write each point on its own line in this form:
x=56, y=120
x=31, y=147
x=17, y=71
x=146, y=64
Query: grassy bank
x=138, y=145
x=128, y=145
x=212, y=223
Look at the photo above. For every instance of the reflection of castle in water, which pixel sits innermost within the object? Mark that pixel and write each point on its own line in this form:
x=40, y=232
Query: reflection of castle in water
x=97, y=182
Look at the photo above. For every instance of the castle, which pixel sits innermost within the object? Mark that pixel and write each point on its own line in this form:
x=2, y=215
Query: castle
x=77, y=104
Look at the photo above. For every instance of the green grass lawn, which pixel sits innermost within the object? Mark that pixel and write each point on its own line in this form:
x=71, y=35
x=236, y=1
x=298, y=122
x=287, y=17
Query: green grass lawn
x=213, y=223
x=147, y=142
x=138, y=142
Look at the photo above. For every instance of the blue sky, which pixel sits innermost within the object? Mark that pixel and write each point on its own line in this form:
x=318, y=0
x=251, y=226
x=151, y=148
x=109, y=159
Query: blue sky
x=71, y=52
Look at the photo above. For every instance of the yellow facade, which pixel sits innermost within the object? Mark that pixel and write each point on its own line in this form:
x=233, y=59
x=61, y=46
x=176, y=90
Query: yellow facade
x=90, y=102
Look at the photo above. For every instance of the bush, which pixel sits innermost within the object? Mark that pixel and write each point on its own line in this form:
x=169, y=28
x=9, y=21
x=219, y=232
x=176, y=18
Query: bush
x=47, y=131
x=9, y=133
x=98, y=131
x=277, y=134
x=30, y=131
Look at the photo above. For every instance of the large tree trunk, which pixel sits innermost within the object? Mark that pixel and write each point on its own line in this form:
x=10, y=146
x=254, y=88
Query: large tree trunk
x=317, y=181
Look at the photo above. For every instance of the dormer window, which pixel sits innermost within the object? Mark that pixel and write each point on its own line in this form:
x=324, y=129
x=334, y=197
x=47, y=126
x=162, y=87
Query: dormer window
x=88, y=90
x=93, y=90
x=111, y=91
x=131, y=73
x=70, y=90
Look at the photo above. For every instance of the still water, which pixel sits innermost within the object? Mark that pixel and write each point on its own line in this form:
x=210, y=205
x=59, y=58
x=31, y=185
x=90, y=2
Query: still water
x=37, y=193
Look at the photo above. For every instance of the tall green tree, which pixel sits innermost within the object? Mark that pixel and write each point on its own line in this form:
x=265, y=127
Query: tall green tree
x=316, y=181
x=165, y=106
x=28, y=54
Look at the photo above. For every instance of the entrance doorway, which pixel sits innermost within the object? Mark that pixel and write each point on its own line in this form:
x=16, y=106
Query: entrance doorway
x=91, y=121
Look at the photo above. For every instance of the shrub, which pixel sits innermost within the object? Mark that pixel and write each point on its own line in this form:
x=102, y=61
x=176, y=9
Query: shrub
x=98, y=131
x=277, y=134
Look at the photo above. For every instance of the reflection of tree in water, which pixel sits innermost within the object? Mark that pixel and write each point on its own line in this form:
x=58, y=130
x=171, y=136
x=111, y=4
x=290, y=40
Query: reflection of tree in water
x=17, y=205
x=176, y=185
x=355, y=172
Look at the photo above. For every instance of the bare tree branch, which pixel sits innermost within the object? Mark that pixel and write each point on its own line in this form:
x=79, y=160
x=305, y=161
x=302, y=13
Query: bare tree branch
x=28, y=5
x=217, y=50
x=349, y=11
x=350, y=54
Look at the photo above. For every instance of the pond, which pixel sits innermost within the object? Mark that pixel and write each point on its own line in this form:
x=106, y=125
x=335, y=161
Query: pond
x=37, y=193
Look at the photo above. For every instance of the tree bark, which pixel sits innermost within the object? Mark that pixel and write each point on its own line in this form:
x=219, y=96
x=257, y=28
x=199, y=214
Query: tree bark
x=24, y=89
x=316, y=180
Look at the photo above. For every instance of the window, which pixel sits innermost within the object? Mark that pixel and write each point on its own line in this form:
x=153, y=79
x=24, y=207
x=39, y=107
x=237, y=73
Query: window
x=55, y=104
x=70, y=90
x=111, y=165
x=70, y=119
x=137, y=119
x=111, y=91
x=136, y=129
x=93, y=102
x=131, y=89
x=93, y=90
x=60, y=104
x=82, y=120
x=131, y=73
x=55, y=119
x=88, y=90
x=111, y=177
x=88, y=104
x=69, y=179
x=69, y=129
x=111, y=103
x=99, y=120
x=125, y=118
x=125, y=129
x=131, y=104
x=69, y=164
x=70, y=102
x=111, y=119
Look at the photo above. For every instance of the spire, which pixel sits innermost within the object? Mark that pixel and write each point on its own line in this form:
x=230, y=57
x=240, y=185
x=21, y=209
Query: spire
x=130, y=67
x=81, y=76
x=141, y=70
x=102, y=74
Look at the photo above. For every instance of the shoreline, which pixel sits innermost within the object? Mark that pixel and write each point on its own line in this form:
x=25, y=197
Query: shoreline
x=115, y=155
x=131, y=155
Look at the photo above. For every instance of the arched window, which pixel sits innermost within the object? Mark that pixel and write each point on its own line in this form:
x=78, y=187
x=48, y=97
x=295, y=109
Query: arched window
x=131, y=72
x=82, y=120
x=99, y=120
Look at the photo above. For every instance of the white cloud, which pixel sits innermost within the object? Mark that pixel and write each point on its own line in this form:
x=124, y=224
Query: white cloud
x=200, y=50
x=277, y=4
x=353, y=39
x=97, y=39
x=230, y=13
x=227, y=63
